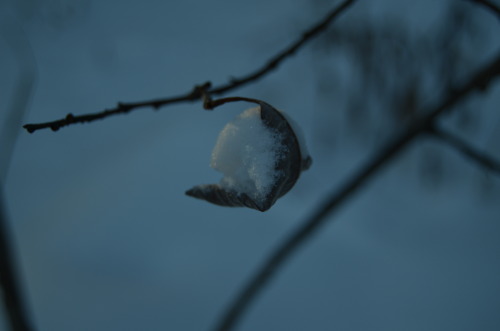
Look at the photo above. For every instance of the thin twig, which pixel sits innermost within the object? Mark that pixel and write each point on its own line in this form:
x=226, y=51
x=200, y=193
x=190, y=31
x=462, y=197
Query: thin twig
x=490, y=5
x=195, y=94
x=121, y=108
x=292, y=243
x=466, y=149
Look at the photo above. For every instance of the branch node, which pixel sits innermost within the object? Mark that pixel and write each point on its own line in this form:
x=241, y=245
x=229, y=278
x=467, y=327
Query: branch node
x=201, y=91
x=29, y=128
x=430, y=129
x=481, y=158
x=122, y=107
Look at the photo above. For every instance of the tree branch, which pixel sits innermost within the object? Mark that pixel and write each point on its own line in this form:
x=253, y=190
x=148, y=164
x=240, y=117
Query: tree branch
x=10, y=290
x=490, y=5
x=8, y=277
x=195, y=95
x=292, y=243
x=461, y=145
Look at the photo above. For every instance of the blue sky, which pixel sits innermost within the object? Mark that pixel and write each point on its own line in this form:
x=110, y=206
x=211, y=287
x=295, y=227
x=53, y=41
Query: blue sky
x=107, y=240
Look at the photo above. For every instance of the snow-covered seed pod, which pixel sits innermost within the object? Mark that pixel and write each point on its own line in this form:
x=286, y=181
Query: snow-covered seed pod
x=261, y=156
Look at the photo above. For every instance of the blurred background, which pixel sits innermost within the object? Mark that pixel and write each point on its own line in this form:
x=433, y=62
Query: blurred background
x=106, y=238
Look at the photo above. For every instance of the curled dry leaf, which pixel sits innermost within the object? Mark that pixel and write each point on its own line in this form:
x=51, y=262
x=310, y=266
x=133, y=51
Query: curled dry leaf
x=260, y=155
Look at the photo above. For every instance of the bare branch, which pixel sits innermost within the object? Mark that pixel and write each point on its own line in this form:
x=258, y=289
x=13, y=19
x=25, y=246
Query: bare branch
x=481, y=158
x=490, y=5
x=195, y=95
x=292, y=243
x=10, y=283
x=121, y=108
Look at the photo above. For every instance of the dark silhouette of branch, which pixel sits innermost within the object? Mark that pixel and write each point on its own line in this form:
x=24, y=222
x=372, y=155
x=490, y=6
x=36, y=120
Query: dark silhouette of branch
x=8, y=277
x=292, y=243
x=490, y=5
x=10, y=288
x=195, y=94
x=461, y=145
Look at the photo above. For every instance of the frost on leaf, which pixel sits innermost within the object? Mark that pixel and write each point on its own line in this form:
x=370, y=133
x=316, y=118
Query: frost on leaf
x=259, y=155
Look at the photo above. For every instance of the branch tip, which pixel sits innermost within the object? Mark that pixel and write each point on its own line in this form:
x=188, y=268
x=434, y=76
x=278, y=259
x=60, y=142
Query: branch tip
x=29, y=128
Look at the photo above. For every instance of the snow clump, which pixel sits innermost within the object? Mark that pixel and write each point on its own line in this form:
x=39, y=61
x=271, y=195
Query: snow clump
x=247, y=153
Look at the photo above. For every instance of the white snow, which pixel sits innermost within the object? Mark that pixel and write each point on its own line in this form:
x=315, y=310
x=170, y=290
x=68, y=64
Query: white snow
x=246, y=153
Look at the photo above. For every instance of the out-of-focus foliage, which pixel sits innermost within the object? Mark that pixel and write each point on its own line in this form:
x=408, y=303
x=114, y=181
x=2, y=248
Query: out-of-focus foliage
x=380, y=74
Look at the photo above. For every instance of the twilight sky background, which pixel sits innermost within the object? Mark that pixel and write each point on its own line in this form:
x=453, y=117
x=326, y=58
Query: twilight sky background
x=107, y=240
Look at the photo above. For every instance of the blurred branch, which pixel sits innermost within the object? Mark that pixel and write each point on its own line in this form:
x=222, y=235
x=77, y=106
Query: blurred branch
x=461, y=145
x=490, y=5
x=194, y=94
x=480, y=81
x=24, y=87
x=17, y=40
x=8, y=277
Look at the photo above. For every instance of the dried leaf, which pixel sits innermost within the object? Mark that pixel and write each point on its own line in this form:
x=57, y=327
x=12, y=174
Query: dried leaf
x=288, y=165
